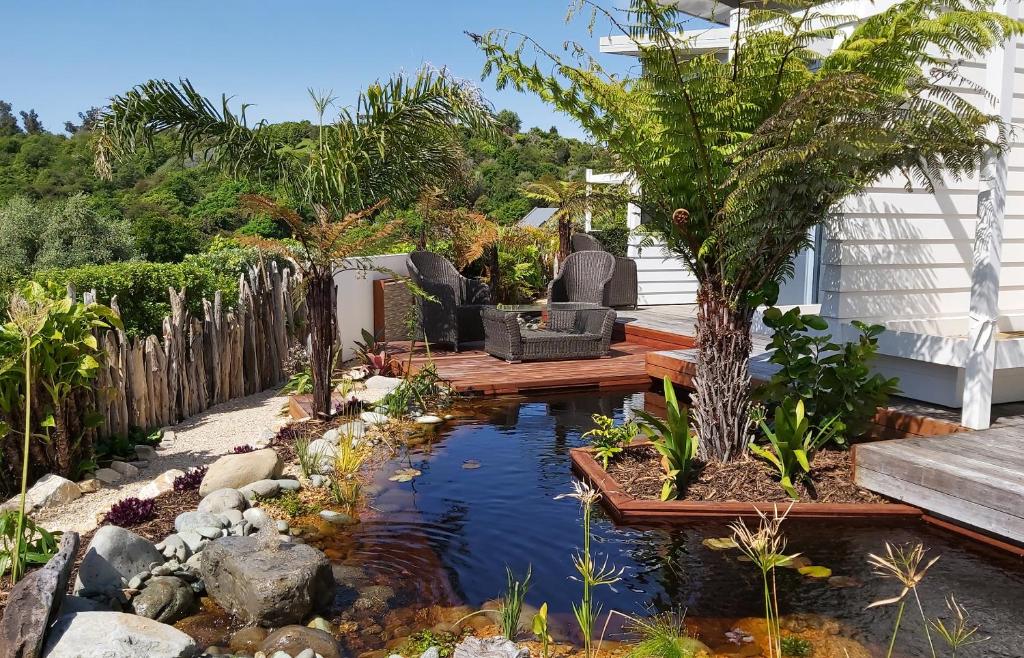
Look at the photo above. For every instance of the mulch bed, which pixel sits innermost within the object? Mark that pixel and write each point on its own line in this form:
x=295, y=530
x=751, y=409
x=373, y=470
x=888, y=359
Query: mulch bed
x=638, y=471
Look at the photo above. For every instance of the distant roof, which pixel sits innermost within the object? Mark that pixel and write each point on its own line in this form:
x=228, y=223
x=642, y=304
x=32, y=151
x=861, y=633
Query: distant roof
x=537, y=217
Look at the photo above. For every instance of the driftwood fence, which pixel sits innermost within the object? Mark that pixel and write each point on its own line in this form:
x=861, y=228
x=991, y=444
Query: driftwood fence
x=199, y=362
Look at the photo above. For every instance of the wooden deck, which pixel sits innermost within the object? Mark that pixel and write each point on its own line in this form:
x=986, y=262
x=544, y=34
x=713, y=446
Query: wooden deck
x=975, y=478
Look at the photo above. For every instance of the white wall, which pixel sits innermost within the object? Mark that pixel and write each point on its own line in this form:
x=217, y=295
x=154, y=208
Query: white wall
x=354, y=281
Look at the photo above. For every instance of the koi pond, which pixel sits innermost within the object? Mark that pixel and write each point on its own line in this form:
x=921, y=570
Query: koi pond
x=484, y=498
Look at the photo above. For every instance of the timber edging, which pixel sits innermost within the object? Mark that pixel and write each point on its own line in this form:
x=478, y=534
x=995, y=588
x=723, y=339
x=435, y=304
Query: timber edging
x=624, y=508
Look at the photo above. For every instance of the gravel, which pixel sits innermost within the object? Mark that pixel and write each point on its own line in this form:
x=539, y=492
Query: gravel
x=198, y=441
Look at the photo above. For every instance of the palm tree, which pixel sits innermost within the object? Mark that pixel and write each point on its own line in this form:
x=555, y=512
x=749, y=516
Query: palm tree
x=740, y=152
x=571, y=199
x=399, y=137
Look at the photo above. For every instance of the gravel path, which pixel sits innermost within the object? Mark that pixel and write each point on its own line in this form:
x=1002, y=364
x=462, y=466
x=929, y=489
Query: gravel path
x=197, y=441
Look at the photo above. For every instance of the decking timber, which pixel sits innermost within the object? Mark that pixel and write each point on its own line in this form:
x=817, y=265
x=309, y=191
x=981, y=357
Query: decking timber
x=975, y=478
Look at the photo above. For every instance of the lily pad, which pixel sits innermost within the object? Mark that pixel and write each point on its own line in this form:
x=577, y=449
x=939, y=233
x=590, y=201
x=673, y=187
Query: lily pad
x=798, y=562
x=840, y=582
x=405, y=474
x=815, y=571
x=719, y=543
x=471, y=464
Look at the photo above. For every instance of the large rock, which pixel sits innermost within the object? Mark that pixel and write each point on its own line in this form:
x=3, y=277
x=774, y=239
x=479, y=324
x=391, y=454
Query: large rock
x=295, y=639
x=48, y=491
x=268, y=585
x=165, y=599
x=114, y=555
x=492, y=647
x=161, y=484
x=34, y=602
x=324, y=453
x=223, y=500
x=235, y=471
x=116, y=635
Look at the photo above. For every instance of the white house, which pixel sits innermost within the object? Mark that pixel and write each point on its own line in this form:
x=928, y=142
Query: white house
x=944, y=272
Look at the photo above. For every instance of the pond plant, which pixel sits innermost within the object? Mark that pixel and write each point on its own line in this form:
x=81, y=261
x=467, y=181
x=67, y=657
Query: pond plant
x=398, y=137
x=609, y=439
x=739, y=152
x=511, y=607
x=662, y=635
x=675, y=440
x=906, y=565
x=539, y=626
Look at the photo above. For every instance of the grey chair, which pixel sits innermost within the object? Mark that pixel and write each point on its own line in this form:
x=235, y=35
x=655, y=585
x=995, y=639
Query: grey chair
x=453, y=316
x=584, y=333
x=624, y=292
x=586, y=277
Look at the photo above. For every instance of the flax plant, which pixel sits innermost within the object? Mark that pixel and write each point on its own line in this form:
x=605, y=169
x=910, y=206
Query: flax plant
x=766, y=548
x=591, y=574
x=904, y=565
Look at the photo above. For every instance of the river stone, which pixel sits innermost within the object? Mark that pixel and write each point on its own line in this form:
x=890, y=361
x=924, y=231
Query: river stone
x=432, y=652
x=267, y=585
x=165, y=599
x=48, y=491
x=262, y=488
x=337, y=518
x=382, y=383
x=492, y=647
x=161, y=484
x=195, y=520
x=248, y=640
x=324, y=452
x=34, y=602
x=429, y=419
x=116, y=635
x=73, y=604
x=288, y=485
x=234, y=471
x=113, y=556
x=373, y=418
x=124, y=468
x=222, y=500
x=257, y=517
x=146, y=453
x=295, y=639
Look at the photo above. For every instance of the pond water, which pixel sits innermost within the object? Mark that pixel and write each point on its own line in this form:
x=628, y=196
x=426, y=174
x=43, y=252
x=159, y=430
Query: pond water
x=449, y=533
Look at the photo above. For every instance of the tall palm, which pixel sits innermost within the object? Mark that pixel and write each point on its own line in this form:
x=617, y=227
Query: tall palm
x=740, y=152
x=572, y=200
x=399, y=137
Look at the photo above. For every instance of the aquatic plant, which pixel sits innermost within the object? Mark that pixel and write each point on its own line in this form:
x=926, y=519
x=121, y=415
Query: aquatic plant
x=350, y=457
x=792, y=443
x=662, y=636
x=904, y=565
x=190, y=479
x=765, y=547
x=540, y=629
x=512, y=603
x=959, y=633
x=346, y=492
x=131, y=512
x=608, y=439
x=591, y=574
x=675, y=440
x=796, y=647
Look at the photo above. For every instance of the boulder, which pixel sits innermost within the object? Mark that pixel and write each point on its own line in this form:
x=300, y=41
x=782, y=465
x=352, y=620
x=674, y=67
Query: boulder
x=197, y=519
x=270, y=585
x=223, y=500
x=234, y=471
x=261, y=488
x=295, y=639
x=161, y=484
x=48, y=491
x=116, y=635
x=256, y=517
x=34, y=602
x=492, y=647
x=144, y=452
x=165, y=599
x=124, y=468
x=108, y=475
x=113, y=556
x=91, y=485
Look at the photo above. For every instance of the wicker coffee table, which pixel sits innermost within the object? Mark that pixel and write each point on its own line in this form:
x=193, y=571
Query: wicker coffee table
x=574, y=331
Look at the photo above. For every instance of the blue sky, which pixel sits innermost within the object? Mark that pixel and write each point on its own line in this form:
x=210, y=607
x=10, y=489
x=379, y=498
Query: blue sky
x=63, y=57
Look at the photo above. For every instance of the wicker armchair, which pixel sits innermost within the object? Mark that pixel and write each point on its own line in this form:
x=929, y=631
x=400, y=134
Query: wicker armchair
x=455, y=315
x=585, y=333
x=585, y=276
x=625, y=288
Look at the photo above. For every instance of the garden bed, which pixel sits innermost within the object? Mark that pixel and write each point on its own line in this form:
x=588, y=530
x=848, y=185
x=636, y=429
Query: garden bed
x=631, y=489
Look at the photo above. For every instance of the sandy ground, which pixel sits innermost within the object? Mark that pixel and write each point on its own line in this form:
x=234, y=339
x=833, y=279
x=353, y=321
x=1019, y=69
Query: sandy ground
x=197, y=441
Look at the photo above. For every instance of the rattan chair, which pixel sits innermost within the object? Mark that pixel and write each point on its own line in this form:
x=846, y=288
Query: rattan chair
x=584, y=333
x=453, y=316
x=586, y=277
x=624, y=292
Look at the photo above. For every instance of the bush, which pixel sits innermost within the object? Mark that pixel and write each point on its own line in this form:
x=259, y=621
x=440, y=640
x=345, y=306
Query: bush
x=615, y=240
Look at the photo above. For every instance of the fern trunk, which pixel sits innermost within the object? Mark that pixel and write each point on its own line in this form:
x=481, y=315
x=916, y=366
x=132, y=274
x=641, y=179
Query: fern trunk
x=564, y=238
x=320, y=301
x=721, y=398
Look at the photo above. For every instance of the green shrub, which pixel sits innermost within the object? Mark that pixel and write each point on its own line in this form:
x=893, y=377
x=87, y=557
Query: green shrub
x=832, y=380
x=614, y=239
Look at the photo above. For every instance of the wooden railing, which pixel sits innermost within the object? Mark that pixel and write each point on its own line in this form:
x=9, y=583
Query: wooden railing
x=152, y=382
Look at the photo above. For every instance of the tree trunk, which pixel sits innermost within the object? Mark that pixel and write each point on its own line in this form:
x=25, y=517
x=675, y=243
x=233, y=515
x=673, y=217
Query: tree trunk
x=721, y=398
x=495, y=272
x=320, y=300
x=564, y=238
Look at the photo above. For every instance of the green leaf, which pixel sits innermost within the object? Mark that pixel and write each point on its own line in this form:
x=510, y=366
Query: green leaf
x=815, y=571
x=720, y=543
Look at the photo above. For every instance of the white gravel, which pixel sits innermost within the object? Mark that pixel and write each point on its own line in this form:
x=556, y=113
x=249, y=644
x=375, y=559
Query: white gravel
x=197, y=441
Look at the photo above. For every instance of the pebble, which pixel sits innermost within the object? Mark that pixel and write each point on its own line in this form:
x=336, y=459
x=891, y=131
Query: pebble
x=428, y=419
x=317, y=480
x=138, y=579
x=306, y=653
x=262, y=488
x=321, y=624
x=337, y=518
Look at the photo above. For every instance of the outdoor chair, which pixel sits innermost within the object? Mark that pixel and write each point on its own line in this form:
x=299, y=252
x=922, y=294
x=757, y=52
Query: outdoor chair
x=586, y=277
x=453, y=316
x=583, y=333
x=624, y=290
